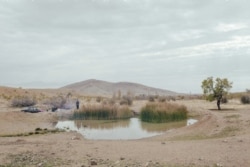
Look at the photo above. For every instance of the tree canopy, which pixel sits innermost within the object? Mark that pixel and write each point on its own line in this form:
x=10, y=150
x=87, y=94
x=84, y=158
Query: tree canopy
x=214, y=89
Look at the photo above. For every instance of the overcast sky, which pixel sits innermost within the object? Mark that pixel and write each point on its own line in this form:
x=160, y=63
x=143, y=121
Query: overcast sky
x=169, y=44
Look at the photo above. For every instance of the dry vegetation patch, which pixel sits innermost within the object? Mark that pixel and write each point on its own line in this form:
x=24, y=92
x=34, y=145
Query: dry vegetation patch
x=163, y=112
x=29, y=158
x=102, y=111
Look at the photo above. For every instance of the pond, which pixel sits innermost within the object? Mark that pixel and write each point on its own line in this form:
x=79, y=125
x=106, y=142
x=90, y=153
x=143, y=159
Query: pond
x=129, y=129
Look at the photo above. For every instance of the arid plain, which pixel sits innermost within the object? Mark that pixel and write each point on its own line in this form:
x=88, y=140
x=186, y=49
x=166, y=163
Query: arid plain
x=219, y=138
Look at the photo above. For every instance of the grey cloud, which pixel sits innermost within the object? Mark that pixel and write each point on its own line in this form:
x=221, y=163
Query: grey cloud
x=144, y=41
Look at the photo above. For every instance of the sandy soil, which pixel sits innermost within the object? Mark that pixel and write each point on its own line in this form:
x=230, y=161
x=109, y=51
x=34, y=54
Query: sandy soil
x=220, y=138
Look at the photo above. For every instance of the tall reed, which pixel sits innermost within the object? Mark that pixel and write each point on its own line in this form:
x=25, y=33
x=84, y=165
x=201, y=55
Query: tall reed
x=102, y=112
x=163, y=112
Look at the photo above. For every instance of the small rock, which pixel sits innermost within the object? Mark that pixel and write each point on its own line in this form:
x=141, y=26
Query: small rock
x=75, y=138
x=240, y=140
x=122, y=158
x=163, y=142
x=20, y=140
x=225, y=141
x=92, y=163
x=40, y=164
x=219, y=165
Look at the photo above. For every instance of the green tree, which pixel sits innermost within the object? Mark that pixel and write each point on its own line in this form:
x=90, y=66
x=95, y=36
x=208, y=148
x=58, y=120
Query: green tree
x=216, y=89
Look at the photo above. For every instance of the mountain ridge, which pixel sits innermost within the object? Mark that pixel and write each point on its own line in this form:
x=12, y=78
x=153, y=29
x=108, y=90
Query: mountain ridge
x=96, y=87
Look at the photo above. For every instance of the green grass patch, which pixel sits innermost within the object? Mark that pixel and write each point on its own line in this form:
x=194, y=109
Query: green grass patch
x=163, y=112
x=232, y=116
x=227, y=131
x=45, y=131
x=102, y=112
x=190, y=137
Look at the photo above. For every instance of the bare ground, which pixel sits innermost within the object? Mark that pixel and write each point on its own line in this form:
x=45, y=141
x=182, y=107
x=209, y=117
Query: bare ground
x=220, y=138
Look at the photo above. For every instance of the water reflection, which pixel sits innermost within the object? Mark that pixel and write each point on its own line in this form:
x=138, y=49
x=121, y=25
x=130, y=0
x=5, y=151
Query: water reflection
x=101, y=124
x=191, y=121
x=119, y=130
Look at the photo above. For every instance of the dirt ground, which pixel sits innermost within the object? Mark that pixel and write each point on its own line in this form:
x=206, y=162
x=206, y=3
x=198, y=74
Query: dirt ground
x=219, y=138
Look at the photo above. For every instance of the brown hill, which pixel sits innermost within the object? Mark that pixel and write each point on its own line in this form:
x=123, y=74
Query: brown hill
x=103, y=88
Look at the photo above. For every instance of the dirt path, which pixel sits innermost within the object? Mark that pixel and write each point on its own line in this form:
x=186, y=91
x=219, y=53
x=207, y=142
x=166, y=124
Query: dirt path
x=220, y=138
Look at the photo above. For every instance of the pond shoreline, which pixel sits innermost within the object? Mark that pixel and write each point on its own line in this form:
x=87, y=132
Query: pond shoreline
x=128, y=129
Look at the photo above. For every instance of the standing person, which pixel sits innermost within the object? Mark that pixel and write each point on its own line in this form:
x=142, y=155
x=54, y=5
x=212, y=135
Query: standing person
x=77, y=104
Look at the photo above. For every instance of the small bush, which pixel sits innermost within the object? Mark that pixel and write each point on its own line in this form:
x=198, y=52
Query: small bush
x=123, y=102
x=126, y=100
x=56, y=102
x=151, y=98
x=162, y=99
x=38, y=129
x=23, y=101
x=224, y=100
x=171, y=98
x=245, y=99
x=98, y=99
x=163, y=112
x=111, y=102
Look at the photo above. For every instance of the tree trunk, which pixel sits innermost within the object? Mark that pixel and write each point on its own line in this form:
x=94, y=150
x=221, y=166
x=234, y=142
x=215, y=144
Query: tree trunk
x=218, y=104
x=219, y=97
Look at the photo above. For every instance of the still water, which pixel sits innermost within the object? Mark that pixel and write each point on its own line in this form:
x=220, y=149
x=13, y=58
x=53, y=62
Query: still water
x=119, y=130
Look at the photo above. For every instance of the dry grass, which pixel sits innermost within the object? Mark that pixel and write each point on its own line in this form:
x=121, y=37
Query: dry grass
x=102, y=112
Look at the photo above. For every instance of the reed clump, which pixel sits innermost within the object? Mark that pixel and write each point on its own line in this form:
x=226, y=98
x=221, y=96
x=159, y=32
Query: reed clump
x=102, y=112
x=163, y=112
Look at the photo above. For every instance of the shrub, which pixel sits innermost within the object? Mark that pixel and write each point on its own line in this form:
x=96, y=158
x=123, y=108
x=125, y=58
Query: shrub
x=102, y=112
x=248, y=90
x=123, y=102
x=98, y=99
x=4, y=96
x=56, y=102
x=111, y=101
x=171, y=98
x=162, y=99
x=224, y=100
x=151, y=98
x=245, y=99
x=163, y=112
x=38, y=129
x=23, y=101
x=126, y=100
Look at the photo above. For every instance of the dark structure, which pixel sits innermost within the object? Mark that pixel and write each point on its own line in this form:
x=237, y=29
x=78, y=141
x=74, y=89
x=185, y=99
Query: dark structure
x=77, y=104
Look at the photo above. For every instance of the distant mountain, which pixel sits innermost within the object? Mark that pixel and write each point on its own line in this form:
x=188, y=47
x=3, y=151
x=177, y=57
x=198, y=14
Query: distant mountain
x=103, y=88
